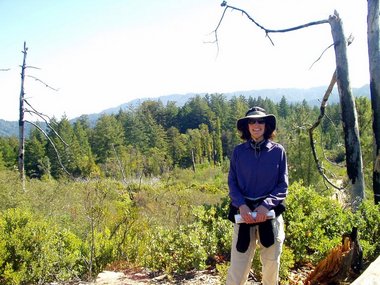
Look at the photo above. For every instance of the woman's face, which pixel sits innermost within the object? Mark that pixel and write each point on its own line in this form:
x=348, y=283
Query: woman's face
x=256, y=128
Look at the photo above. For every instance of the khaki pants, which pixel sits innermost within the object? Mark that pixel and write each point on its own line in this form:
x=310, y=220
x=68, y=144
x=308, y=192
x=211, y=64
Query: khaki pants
x=270, y=257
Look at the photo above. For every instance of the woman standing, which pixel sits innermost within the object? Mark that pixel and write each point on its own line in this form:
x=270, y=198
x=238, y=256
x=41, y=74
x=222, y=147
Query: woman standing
x=258, y=183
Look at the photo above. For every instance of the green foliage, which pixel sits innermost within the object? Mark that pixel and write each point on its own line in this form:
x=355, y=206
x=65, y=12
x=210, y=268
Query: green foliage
x=9, y=151
x=222, y=269
x=217, y=142
x=297, y=143
x=98, y=250
x=108, y=135
x=218, y=229
x=287, y=262
x=34, y=251
x=283, y=108
x=2, y=163
x=367, y=219
x=85, y=161
x=314, y=223
x=36, y=163
x=363, y=105
x=10, y=188
x=156, y=163
x=170, y=225
x=176, y=251
x=178, y=148
x=188, y=246
x=194, y=113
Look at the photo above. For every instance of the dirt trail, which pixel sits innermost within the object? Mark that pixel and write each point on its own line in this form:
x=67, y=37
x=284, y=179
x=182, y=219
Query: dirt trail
x=141, y=278
x=119, y=278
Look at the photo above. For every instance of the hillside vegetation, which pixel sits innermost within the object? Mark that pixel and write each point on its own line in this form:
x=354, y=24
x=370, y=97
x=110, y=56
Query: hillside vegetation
x=147, y=187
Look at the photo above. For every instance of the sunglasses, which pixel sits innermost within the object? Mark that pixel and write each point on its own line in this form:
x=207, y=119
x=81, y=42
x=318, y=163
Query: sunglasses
x=254, y=121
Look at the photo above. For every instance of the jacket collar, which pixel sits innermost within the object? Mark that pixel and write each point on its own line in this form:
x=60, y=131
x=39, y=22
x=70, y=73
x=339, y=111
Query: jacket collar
x=268, y=144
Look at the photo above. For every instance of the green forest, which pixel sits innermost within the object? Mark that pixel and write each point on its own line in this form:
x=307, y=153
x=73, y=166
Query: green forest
x=148, y=187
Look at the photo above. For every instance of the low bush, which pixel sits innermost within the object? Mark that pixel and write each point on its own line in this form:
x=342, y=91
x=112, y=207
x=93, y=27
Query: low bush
x=176, y=251
x=367, y=220
x=78, y=228
x=314, y=223
x=34, y=251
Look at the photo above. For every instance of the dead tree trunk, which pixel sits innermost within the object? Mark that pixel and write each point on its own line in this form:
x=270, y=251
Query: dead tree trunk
x=193, y=159
x=373, y=36
x=349, y=116
x=21, y=122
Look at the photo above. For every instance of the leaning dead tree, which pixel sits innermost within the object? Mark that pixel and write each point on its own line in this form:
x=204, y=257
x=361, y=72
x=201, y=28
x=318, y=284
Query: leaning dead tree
x=373, y=36
x=354, y=165
x=26, y=107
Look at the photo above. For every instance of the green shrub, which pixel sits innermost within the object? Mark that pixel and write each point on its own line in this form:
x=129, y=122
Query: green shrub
x=287, y=262
x=314, y=223
x=218, y=228
x=222, y=270
x=98, y=251
x=189, y=246
x=175, y=251
x=10, y=189
x=367, y=219
x=34, y=251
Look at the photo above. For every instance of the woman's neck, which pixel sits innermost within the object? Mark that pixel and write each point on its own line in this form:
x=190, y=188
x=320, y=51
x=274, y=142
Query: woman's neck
x=258, y=140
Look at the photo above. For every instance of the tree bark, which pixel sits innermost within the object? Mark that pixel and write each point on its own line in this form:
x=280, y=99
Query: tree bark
x=354, y=163
x=193, y=159
x=374, y=71
x=21, y=123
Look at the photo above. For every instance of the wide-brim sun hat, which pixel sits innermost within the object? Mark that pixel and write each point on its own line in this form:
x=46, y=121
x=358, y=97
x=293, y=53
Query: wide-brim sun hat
x=256, y=113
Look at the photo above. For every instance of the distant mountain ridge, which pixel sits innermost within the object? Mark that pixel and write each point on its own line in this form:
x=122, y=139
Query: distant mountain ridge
x=293, y=95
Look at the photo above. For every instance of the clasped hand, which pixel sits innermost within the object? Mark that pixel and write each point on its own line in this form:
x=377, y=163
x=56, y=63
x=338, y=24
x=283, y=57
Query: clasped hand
x=261, y=214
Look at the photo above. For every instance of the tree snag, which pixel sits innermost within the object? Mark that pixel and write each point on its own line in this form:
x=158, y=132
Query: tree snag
x=373, y=37
x=21, y=122
x=354, y=164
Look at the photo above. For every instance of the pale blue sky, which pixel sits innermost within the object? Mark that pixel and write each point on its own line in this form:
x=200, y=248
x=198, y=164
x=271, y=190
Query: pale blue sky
x=101, y=54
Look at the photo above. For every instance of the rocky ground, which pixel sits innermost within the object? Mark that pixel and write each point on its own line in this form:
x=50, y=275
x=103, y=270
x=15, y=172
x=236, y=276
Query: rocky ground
x=139, y=276
x=142, y=277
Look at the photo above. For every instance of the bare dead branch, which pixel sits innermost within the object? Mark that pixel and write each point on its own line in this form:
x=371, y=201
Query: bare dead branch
x=323, y=52
x=266, y=30
x=36, y=112
x=43, y=117
x=34, y=67
x=350, y=39
x=46, y=85
x=52, y=143
x=320, y=168
x=5, y=69
x=50, y=127
x=217, y=27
